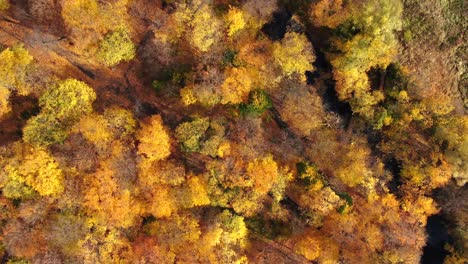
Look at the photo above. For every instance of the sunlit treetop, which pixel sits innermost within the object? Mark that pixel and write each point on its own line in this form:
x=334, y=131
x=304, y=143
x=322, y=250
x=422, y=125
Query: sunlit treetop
x=68, y=100
x=92, y=14
x=116, y=47
x=154, y=140
x=329, y=13
x=364, y=39
x=4, y=5
x=38, y=171
x=4, y=104
x=62, y=104
x=200, y=24
x=237, y=85
x=105, y=199
x=120, y=121
x=43, y=130
x=94, y=128
x=294, y=54
x=14, y=63
x=74, y=11
x=190, y=133
x=235, y=21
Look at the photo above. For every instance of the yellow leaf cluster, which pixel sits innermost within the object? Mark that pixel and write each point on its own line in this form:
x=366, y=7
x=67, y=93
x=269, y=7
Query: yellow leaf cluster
x=162, y=204
x=39, y=171
x=236, y=86
x=420, y=207
x=94, y=128
x=199, y=194
x=116, y=47
x=329, y=13
x=4, y=104
x=14, y=62
x=353, y=168
x=107, y=201
x=95, y=15
x=264, y=173
x=104, y=244
x=67, y=100
x=4, y=4
x=120, y=121
x=294, y=54
x=154, y=140
x=115, y=123
x=235, y=21
x=198, y=18
x=308, y=247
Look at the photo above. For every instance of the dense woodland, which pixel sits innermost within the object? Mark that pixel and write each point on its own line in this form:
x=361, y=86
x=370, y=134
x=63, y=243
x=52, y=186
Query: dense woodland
x=233, y=131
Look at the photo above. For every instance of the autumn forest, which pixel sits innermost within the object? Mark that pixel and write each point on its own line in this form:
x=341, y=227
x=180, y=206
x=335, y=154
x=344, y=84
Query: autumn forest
x=233, y=131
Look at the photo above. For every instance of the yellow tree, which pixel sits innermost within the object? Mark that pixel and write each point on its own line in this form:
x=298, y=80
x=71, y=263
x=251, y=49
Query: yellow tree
x=14, y=65
x=237, y=85
x=154, y=140
x=4, y=103
x=36, y=171
x=120, y=121
x=68, y=100
x=364, y=40
x=107, y=201
x=235, y=21
x=62, y=105
x=95, y=15
x=95, y=129
x=116, y=47
x=197, y=18
x=4, y=5
x=294, y=54
x=353, y=168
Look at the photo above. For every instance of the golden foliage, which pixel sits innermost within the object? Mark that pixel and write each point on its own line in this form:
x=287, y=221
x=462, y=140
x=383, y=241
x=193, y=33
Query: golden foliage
x=68, y=100
x=198, y=19
x=353, y=168
x=235, y=21
x=154, y=140
x=95, y=15
x=120, y=121
x=308, y=247
x=4, y=4
x=199, y=194
x=104, y=244
x=373, y=46
x=94, y=128
x=5, y=107
x=36, y=171
x=190, y=133
x=115, y=48
x=14, y=65
x=329, y=13
x=264, y=173
x=294, y=54
x=105, y=199
x=237, y=85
